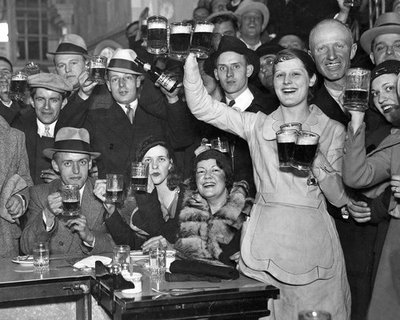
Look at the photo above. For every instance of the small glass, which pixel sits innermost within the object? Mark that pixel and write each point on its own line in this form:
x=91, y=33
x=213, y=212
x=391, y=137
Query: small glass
x=121, y=257
x=157, y=262
x=97, y=69
x=291, y=125
x=286, y=140
x=201, y=39
x=71, y=202
x=114, y=188
x=18, y=86
x=356, y=92
x=139, y=176
x=220, y=145
x=314, y=315
x=179, y=40
x=41, y=257
x=157, y=35
x=352, y=3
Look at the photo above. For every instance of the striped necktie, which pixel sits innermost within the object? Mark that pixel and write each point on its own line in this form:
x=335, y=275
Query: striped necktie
x=47, y=131
x=130, y=113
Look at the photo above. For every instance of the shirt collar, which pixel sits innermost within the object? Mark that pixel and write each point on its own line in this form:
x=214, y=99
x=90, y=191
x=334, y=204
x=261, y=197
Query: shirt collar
x=243, y=101
x=41, y=128
x=252, y=47
x=132, y=104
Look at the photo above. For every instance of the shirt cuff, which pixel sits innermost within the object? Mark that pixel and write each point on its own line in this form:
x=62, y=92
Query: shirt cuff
x=24, y=204
x=48, y=227
x=90, y=245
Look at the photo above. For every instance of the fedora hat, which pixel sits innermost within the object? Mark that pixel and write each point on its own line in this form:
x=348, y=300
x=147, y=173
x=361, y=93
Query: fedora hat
x=123, y=60
x=50, y=81
x=229, y=14
x=229, y=43
x=73, y=140
x=248, y=5
x=70, y=44
x=386, y=23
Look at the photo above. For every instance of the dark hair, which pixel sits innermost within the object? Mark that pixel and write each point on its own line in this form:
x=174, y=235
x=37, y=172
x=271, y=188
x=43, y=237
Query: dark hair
x=174, y=177
x=226, y=18
x=3, y=58
x=223, y=162
x=32, y=92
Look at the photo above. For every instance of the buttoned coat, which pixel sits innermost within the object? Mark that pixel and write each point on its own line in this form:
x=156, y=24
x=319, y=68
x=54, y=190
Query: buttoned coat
x=61, y=239
x=13, y=160
x=290, y=239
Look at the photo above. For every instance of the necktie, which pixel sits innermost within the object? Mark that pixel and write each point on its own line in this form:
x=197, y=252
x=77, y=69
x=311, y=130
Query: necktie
x=130, y=113
x=47, y=131
x=231, y=103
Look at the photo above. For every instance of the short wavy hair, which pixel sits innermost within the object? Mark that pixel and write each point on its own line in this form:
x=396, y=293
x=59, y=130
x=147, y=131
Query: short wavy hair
x=174, y=177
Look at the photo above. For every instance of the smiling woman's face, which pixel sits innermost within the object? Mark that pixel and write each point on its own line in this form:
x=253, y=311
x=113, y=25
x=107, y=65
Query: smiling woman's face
x=210, y=179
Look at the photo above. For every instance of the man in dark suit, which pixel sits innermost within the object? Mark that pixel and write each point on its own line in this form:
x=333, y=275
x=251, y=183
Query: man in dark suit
x=48, y=96
x=9, y=109
x=117, y=130
x=72, y=159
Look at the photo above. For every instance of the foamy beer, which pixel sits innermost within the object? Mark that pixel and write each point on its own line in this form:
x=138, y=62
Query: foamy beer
x=304, y=150
x=157, y=35
x=114, y=188
x=356, y=92
x=18, y=86
x=286, y=140
x=139, y=176
x=291, y=126
x=97, y=69
x=179, y=40
x=201, y=39
x=71, y=202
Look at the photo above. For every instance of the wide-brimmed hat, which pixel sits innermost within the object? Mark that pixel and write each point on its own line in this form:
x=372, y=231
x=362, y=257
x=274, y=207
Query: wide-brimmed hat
x=73, y=140
x=229, y=43
x=70, y=44
x=123, y=60
x=248, y=5
x=386, y=23
x=50, y=81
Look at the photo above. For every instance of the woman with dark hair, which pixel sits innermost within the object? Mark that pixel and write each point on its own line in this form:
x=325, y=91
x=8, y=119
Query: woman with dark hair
x=152, y=215
x=214, y=210
x=290, y=240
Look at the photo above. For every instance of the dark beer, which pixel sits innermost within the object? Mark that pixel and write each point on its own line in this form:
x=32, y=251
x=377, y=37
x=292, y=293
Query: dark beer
x=303, y=155
x=143, y=30
x=157, y=40
x=354, y=98
x=179, y=42
x=285, y=152
x=139, y=183
x=18, y=87
x=71, y=209
x=114, y=196
x=97, y=74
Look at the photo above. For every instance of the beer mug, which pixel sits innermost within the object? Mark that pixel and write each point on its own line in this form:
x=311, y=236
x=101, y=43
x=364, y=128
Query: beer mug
x=220, y=145
x=139, y=176
x=291, y=126
x=179, y=40
x=356, y=92
x=157, y=35
x=305, y=150
x=97, y=69
x=114, y=188
x=286, y=140
x=201, y=39
x=18, y=86
x=143, y=31
x=71, y=202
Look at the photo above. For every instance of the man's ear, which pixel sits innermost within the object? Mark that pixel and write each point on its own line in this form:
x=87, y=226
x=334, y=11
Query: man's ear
x=64, y=102
x=90, y=163
x=55, y=166
x=216, y=74
x=139, y=80
x=31, y=102
x=249, y=70
x=371, y=56
x=108, y=85
x=353, y=50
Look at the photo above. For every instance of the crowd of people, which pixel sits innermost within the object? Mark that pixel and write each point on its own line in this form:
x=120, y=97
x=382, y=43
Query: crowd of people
x=331, y=245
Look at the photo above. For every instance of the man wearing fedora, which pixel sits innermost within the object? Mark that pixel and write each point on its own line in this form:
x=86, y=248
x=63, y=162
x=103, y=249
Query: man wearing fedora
x=234, y=65
x=117, y=130
x=253, y=19
x=72, y=158
x=48, y=95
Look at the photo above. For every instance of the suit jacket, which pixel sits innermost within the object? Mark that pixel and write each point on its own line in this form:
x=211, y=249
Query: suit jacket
x=61, y=239
x=13, y=160
x=10, y=114
x=34, y=146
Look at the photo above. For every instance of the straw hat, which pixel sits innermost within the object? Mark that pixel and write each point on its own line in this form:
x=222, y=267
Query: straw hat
x=248, y=5
x=123, y=60
x=70, y=44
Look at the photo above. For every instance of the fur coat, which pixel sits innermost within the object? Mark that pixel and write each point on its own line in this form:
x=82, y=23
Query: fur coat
x=202, y=234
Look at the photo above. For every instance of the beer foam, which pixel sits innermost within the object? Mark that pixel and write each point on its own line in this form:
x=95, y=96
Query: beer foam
x=287, y=138
x=306, y=140
x=180, y=29
x=19, y=77
x=70, y=200
x=114, y=190
x=139, y=177
x=204, y=28
x=157, y=25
